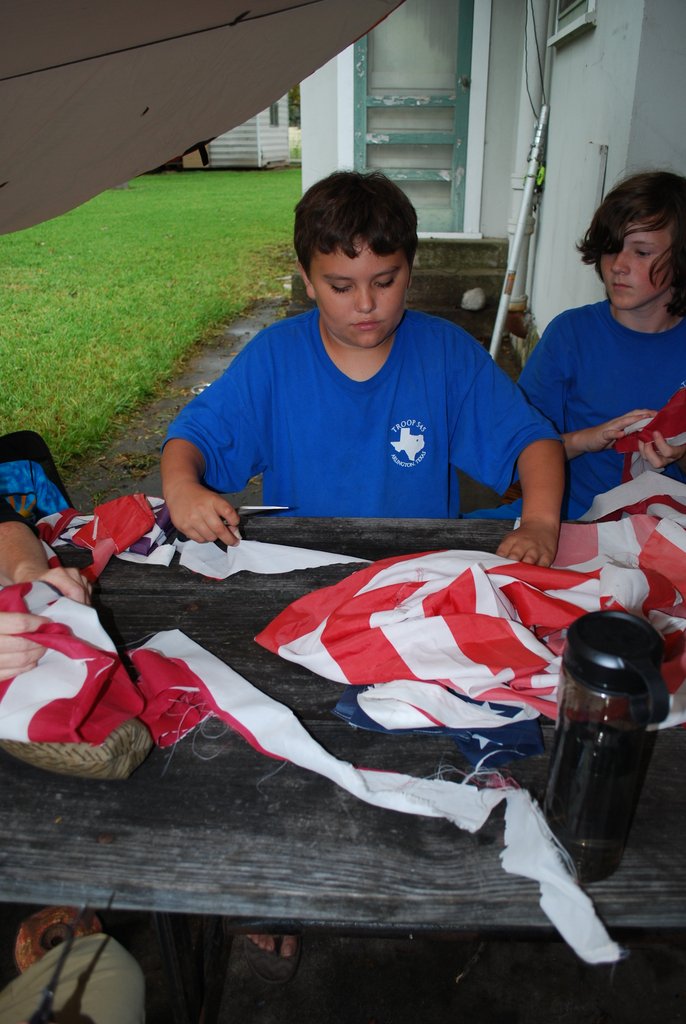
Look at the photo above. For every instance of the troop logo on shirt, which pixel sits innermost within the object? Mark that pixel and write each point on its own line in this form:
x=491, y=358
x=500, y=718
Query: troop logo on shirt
x=408, y=442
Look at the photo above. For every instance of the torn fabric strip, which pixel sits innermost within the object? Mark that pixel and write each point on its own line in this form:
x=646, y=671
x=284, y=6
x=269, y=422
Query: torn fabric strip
x=200, y=679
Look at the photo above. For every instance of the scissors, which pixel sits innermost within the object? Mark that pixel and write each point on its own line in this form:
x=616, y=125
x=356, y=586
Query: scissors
x=43, y=1015
x=247, y=511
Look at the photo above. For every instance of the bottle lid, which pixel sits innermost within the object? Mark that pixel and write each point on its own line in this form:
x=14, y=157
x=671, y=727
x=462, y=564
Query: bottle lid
x=617, y=654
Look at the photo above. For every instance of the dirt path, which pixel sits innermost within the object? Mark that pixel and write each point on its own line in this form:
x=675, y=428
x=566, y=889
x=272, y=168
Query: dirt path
x=131, y=461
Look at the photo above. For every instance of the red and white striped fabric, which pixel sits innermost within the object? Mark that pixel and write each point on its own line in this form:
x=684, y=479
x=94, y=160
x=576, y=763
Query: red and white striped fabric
x=671, y=423
x=133, y=527
x=79, y=691
x=650, y=494
x=485, y=627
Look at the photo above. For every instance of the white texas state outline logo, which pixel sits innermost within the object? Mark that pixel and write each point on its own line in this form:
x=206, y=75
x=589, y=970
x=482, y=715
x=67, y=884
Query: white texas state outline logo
x=410, y=442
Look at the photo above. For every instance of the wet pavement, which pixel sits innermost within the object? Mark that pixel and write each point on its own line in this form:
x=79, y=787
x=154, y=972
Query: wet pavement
x=480, y=979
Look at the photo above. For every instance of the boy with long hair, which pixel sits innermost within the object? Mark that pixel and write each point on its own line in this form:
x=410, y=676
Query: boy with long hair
x=600, y=368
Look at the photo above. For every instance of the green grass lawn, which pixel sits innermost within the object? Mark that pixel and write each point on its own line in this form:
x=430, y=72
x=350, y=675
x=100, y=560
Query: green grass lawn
x=101, y=304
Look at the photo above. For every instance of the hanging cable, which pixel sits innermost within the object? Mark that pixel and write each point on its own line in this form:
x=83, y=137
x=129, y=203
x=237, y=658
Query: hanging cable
x=530, y=5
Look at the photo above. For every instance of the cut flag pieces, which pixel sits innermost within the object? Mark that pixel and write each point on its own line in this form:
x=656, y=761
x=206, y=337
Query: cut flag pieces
x=134, y=527
x=272, y=729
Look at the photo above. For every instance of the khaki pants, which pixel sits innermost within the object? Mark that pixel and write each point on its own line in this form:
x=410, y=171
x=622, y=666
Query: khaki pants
x=100, y=982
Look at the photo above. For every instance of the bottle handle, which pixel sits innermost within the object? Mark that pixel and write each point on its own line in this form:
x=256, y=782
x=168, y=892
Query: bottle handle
x=653, y=704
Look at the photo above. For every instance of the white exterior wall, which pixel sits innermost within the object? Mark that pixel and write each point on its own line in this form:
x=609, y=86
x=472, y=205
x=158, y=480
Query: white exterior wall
x=618, y=85
x=504, y=75
x=326, y=117
x=659, y=113
x=255, y=143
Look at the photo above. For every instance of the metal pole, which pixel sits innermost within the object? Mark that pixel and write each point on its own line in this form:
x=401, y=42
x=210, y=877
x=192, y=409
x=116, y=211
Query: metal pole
x=515, y=248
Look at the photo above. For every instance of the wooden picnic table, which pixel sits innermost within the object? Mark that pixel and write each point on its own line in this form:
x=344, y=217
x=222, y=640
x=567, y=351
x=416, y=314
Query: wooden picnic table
x=213, y=827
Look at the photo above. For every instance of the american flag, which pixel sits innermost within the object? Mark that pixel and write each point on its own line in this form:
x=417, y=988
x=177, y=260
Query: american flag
x=435, y=626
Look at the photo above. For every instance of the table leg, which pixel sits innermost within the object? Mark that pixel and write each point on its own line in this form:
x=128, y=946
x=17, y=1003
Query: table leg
x=184, y=979
x=195, y=971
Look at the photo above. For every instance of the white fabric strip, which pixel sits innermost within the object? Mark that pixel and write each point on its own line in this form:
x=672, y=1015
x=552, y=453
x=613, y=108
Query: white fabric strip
x=253, y=556
x=276, y=730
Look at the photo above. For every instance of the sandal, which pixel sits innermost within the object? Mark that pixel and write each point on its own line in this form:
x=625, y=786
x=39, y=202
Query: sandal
x=270, y=965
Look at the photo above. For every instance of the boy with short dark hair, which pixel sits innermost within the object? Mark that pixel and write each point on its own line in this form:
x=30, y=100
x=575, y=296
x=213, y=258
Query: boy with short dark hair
x=359, y=407
x=600, y=368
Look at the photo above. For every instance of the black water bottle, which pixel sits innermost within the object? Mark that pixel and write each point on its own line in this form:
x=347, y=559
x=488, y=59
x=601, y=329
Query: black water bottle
x=610, y=690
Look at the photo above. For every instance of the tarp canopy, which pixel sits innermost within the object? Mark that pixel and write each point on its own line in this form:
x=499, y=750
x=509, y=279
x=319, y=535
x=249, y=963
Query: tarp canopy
x=93, y=93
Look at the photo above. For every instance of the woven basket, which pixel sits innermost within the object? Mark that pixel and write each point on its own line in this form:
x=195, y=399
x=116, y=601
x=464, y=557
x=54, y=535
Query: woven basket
x=123, y=750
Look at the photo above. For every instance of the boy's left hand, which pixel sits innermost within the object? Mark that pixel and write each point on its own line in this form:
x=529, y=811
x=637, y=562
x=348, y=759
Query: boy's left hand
x=659, y=452
x=533, y=543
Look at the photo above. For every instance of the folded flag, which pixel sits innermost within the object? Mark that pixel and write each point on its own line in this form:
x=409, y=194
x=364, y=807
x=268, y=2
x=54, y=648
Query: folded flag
x=483, y=746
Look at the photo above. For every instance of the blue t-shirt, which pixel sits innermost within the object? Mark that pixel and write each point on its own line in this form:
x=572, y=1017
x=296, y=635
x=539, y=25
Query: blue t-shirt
x=331, y=446
x=587, y=369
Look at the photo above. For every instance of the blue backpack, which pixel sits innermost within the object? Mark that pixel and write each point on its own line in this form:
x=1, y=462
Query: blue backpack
x=29, y=480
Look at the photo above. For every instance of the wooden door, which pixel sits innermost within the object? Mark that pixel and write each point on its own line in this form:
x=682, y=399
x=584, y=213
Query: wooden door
x=412, y=78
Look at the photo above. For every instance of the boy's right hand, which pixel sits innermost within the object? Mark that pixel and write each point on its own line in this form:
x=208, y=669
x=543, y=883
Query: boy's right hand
x=202, y=515
x=604, y=435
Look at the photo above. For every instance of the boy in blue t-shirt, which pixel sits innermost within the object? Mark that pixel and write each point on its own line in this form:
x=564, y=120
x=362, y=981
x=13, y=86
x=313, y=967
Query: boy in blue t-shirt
x=600, y=368
x=359, y=407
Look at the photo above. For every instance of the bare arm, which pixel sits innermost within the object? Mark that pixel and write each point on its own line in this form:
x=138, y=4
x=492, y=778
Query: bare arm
x=604, y=435
x=542, y=476
x=23, y=560
x=195, y=510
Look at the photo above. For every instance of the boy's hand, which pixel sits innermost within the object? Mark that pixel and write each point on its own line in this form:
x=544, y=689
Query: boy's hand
x=202, y=515
x=604, y=435
x=660, y=453
x=532, y=542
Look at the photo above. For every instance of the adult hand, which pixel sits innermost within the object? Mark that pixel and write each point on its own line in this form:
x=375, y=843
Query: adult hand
x=202, y=515
x=534, y=542
x=17, y=654
x=659, y=452
x=604, y=435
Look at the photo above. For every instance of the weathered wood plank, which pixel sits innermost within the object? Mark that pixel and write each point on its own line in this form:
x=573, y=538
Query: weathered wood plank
x=211, y=826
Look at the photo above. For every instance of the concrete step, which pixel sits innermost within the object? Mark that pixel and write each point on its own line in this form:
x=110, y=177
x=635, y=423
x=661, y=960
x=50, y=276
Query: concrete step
x=444, y=270
x=462, y=255
x=434, y=288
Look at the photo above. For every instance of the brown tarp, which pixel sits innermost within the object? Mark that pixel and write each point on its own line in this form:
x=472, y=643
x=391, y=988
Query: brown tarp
x=94, y=92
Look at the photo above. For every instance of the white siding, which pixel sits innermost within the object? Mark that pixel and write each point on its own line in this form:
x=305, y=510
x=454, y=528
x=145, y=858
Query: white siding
x=618, y=85
x=253, y=144
x=615, y=90
x=320, y=103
